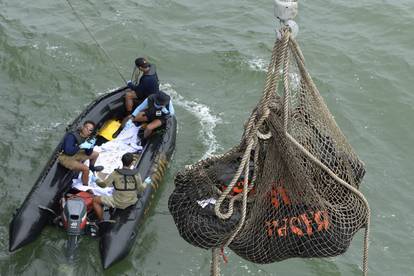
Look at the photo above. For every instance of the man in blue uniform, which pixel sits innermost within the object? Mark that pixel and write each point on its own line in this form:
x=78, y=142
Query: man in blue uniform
x=76, y=148
x=155, y=110
x=148, y=84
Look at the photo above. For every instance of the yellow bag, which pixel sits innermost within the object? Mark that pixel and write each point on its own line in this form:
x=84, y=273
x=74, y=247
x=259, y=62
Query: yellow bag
x=109, y=128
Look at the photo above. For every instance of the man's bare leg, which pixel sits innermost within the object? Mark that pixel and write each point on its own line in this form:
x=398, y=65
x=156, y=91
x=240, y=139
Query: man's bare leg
x=80, y=167
x=130, y=96
x=151, y=126
x=97, y=207
x=93, y=158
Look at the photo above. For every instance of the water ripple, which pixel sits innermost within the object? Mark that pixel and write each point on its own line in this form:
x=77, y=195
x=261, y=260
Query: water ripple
x=208, y=121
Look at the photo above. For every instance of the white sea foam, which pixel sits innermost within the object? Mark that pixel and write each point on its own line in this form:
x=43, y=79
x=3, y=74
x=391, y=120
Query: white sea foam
x=258, y=64
x=108, y=90
x=208, y=121
x=52, y=47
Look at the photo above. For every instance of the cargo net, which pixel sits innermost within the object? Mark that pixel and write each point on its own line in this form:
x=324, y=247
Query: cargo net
x=289, y=189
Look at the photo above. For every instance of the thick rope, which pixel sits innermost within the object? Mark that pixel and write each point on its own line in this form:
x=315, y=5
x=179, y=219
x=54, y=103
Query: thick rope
x=215, y=262
x=251, y=140
x=308, y=79
x=271, y=84
x=286, y=89
x=252, y=129
x=280, y=57
x=243, y=165
x=272, y=79
x=251, y=132
x=244, y=206
x=350, y=187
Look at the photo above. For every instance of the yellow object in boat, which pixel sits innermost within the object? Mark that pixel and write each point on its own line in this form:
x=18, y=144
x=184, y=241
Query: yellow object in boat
x=109, y=128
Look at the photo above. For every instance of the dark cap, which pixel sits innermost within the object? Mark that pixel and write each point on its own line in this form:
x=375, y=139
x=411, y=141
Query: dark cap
x=141, y=62
x=162, y=99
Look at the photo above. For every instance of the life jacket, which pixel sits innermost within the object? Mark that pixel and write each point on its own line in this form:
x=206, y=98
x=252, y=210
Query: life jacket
x=127, y=173
x=78, y=138
x=237, y=188
x=154, y=111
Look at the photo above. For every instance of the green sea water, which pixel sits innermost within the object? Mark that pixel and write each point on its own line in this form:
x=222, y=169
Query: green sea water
x=211, y=57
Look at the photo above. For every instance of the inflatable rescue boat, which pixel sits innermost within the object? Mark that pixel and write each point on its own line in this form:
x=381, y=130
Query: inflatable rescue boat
x=117, y=238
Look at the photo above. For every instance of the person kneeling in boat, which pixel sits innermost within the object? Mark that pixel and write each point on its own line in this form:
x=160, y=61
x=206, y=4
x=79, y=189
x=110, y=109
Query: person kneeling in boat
x=148, y=84
x=127, y=185
x=77, y=148
x=155, y=110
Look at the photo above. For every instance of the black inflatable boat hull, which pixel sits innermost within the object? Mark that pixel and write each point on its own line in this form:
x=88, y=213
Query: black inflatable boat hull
x=118, y=238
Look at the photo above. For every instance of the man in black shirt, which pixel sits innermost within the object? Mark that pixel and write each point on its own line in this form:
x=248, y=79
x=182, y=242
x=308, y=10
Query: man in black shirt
x=148, y=84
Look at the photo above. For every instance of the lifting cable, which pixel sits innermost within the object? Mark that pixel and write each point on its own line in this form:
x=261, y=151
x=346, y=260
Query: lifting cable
x=97, y=43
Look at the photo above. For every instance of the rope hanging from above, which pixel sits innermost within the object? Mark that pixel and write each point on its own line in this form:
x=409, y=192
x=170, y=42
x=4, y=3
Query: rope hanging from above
x=289, y=189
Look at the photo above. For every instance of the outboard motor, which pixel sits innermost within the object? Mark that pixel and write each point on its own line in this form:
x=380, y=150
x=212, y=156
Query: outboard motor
x=74, y=216
x=74, y=221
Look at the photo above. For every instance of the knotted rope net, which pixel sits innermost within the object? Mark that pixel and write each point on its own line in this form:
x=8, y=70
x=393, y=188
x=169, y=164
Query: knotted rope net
x=289, y=189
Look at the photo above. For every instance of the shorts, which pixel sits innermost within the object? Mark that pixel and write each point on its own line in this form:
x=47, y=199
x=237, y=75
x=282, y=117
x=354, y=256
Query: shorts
x=108, y=201
x=140, y=97
x=71, y=161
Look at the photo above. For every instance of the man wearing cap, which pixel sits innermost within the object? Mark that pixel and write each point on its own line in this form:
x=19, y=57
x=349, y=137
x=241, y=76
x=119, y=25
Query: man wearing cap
x=155, y=110
x=148, y=84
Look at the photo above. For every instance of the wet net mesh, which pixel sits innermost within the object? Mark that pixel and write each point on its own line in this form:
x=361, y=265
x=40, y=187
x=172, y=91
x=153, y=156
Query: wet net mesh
x=289, y=189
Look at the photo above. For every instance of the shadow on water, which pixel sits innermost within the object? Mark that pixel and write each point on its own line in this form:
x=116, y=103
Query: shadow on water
x=145, y=241
x=41, y=257
x=135, y=259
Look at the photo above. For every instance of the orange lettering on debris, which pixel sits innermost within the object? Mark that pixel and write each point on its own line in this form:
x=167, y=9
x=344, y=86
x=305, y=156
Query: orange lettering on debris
x=271, y=225
x=295, y=230
x=303, y=224
x=322, y=220
x=282, y=231
x=308, y=224
x=282, y=192
x=269, y=228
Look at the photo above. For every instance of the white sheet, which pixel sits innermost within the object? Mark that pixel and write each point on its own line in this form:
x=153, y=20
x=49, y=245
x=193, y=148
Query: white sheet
x=110, y=154
x=77, y=184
